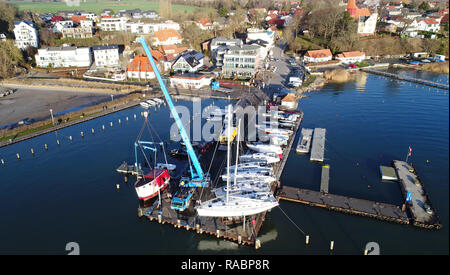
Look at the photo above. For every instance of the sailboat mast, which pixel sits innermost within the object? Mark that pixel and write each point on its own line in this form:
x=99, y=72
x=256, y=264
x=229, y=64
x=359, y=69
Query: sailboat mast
x=237, y=151
x=228, y=151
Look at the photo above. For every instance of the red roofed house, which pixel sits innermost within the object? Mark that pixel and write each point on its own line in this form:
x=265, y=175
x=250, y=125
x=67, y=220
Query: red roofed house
x=318, y=56
x=367, y=22
x=166, y=37
x=78, y=18
x=57, y=18
x=429, y=25
x=205, y=24
x=351, y=57
x=140, y=68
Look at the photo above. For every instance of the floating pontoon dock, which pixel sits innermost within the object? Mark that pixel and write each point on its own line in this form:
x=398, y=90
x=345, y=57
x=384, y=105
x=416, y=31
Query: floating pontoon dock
x=304, y=142
x=419, y=206
x=325, y=179
x=318, y=145
x=388, y=173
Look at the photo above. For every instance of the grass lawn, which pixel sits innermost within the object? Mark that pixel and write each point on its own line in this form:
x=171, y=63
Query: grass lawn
x=96, y=6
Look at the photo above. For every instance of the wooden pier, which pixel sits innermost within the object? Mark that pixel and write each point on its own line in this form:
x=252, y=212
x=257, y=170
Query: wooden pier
x=318, y=145
x=325, y=179
x=419, y=206
x=366, y=208
x=408, y=79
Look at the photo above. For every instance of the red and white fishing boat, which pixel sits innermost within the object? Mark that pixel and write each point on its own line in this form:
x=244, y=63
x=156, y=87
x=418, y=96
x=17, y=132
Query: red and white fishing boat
x=148, y=186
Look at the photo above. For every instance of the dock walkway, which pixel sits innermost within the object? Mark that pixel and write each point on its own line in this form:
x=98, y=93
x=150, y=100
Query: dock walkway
x=409, y=79
x=318, y=145
x=344, y=204
x=410, y=182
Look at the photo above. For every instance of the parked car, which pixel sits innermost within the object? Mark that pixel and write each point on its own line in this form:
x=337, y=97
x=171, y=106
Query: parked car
x=352, y=66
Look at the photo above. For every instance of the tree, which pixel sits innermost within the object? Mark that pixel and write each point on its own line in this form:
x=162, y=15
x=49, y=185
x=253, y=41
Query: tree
x=424, y=6
x=7, y=15
x=223, y=12
x=10, y=57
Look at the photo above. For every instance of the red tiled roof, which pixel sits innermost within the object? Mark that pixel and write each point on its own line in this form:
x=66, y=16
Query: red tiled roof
x=78, y=18
x=319, y=53
x=140, y=64
x=204, y=21
x=351, y=54
x=57, y=18
x=430, y=21
x=164, y=35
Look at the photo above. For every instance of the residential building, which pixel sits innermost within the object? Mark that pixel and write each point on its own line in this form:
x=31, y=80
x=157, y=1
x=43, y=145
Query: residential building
x=367, y=21
x=190, y=81
x=139, y=27
x=169, y=24
x=106, y=55
x=289, y=101
x=240, y=62
x=140, y=68
x=25, y=34
x=166, y=37
x=90, y=16
x=64, y=57
x=219, y=47
x=429, y=25
x=188, y=62
x=351, y=57
x=87, y=23
x=109, y=23
x=318, y=56
x=205, y=24
x=77, y=18
x=60, y=25
x=265, y=35
x=78, y=32
x=173, y=50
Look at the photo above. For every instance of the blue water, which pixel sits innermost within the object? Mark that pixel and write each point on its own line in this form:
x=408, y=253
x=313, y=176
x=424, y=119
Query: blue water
x=69, y=194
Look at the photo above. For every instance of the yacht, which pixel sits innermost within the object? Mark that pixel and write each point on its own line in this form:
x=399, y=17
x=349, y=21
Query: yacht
x=265, y=148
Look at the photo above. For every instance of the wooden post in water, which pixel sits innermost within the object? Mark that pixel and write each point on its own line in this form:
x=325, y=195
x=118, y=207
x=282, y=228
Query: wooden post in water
x=140, y=213
x=307, y=239
x=134, y=116
x=93, y=132
x=332, y=245
x=46, y=147
x=3, y=162
x=178, y=223
x=257, y=244
x=239, y=239
x=82, y=134
x=159, y=218
x=70, y=138
x=103, y=127
x=404, y=207
x=111, y=124
x=57, y=142
x=18, y=156
x=119, y=121
x=32, y=151
x=217, y=233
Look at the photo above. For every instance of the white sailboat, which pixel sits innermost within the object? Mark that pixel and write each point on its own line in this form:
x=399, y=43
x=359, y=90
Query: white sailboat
x=144, y=105
x=269, y=158
x=265, y=148
x=240, y=202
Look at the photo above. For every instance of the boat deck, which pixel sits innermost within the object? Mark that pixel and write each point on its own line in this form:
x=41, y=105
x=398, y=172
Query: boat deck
x=304, y=142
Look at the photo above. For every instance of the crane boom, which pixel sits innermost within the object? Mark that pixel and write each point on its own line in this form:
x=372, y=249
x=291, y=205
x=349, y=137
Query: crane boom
x=199, y=177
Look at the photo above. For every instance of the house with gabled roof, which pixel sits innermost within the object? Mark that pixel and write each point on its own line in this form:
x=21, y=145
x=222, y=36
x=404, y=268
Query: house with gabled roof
x=166, y=37
x=26, y=35
x=316, y=56
x=188, y=62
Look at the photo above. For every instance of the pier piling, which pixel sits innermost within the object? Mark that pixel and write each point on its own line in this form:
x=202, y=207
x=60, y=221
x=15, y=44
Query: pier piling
x=46, y=147
x=32, y=151
x=3, y=162
x=70, y=138
x=18, y=156
x=82, y=134
x=57, y=142
x=331, y=245
x=93, y=132
x=307, y=239
x=257, y=244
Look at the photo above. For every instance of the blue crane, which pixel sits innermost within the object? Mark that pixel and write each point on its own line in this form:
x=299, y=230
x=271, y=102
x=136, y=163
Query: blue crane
x=198, y=177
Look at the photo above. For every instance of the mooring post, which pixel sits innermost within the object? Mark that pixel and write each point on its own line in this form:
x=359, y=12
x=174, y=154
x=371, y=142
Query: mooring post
x=403, y=207
x=126, y=119
x=92, y=130
x=32, y=151
x=70, y=138
x=118, y=186
x=239, y=239
x=82, y=134
x=119, y=121
x=217, y=233
x=57, y=142
x=103, y=127
x=159, y=218
x=178, y=223
x=134, y=116
x=111, y=124
x=197, y=226
x=140, y=212
x=18, y=156
x=331, y=245
x=46, y=147
x=257, y=244
x=307, y=239
x=366, y=251
x=3, y=162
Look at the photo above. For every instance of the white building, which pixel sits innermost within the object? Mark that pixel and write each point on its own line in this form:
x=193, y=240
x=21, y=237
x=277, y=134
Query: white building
x=166, y=37
x=351, y=57
x=139, y=27
x=219, y=47
x=259, y=34
x=367, y=24
x=87, y=23
x=113, y=23
x=25, y=34
x=188, y=62
x=318, y=56
x=90, y=16
x=106, y=56
x=429, y=25
x=241, y=62
x=190, y=81
x=60, y=25
x=63, y=57
x=169, y=24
